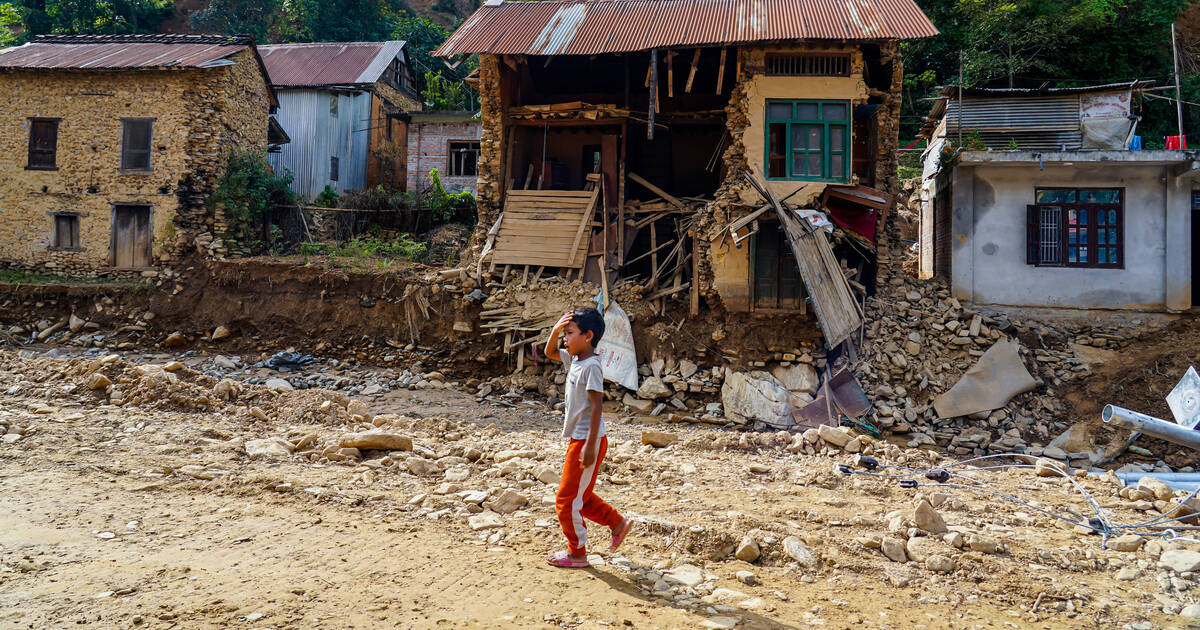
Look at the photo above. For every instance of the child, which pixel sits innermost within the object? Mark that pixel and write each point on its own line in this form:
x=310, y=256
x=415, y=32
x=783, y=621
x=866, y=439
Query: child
x=583, y=424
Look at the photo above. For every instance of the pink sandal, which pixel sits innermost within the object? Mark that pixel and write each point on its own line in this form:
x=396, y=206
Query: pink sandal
x=619, y=534
x=563, y=560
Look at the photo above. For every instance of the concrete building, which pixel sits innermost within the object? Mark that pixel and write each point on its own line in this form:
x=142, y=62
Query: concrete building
x=666, y=106
x=446, y=141
x=1094, y=226
x=111, y=145
x=344, y=105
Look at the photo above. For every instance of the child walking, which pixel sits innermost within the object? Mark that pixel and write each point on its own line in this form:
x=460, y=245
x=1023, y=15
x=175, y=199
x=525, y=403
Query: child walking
x=583, y=424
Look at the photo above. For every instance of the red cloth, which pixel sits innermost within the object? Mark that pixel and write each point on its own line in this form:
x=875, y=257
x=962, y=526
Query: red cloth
x=1176, y=143
x=860, y=222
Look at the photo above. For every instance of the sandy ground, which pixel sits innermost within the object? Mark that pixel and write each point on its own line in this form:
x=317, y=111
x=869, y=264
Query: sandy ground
x=150, y=514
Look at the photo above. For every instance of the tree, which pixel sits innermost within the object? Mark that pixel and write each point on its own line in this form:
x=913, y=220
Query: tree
x=423, y=36
x=443, y=94
x=10, y=21
x=341, y=20
x=264, y=20
x=108, y=17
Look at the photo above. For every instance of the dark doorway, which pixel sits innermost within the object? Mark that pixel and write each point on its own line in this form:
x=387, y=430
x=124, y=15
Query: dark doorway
x=1195, y=254
x=777, y=283
x=131, y=236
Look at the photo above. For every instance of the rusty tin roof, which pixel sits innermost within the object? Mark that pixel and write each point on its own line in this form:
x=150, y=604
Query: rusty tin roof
x=588, y=27
x=122, y=52
x=328, y=63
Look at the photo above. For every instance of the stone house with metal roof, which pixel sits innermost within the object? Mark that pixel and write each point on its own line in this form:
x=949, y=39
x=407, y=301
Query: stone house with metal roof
x=111, y=145
x=665, y=106
x=345, y=106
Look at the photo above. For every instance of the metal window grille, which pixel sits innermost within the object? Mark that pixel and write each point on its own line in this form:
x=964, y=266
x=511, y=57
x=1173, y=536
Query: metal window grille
x=1050, y=236
x=802, y=65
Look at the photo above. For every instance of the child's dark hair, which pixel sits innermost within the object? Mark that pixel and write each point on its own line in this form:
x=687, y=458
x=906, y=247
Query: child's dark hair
x=589, y=319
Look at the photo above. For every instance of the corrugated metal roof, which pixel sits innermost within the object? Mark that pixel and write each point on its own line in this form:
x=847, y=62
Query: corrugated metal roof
x=328, y=63
x=122, y=52
x=587, y=27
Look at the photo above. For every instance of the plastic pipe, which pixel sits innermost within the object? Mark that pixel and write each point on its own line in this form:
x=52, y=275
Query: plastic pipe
x=1175, y=476
x=1151, y=426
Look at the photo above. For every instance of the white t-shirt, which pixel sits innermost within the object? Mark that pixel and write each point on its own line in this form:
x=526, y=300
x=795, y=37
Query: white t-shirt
x=583, y=376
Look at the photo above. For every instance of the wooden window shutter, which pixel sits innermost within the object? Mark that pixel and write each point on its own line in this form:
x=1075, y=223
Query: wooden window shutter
x=1033, y=223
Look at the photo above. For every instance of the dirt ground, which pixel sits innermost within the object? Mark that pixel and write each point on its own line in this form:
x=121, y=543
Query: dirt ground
x=151, y=514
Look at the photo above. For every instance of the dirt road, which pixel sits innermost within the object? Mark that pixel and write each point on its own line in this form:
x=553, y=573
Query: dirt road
x=150, y=514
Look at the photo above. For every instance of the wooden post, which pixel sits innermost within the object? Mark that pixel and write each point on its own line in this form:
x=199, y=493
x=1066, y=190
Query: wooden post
x=721, y=73
x=694, y=308
x=653, y=255
x=692, y=72
x=670, y=74
x=653, y=106
x=621, y=195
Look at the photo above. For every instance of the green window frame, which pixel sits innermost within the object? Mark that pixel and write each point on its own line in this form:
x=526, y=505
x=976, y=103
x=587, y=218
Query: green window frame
x=808, y=140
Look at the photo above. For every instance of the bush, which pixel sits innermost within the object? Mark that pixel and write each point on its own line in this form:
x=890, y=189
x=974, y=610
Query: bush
x=369, y=246
x=247, y=190
x=444, y=206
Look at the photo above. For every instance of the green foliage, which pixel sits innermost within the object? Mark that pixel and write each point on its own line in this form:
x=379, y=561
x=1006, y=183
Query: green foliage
x=246, y=191
x=423, y=36
x=327, y=198
x=910, y=164
x=446, y=206
x=10, y=19
x=264, y=20
x=442, y=94
x=369, y=246
x=104, y=17
x=341, y=20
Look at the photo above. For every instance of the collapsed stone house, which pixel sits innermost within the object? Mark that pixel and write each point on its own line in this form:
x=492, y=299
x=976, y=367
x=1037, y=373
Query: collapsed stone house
x=617, y=135
x=346, y=106
x=111, y=145
x=1043, y=198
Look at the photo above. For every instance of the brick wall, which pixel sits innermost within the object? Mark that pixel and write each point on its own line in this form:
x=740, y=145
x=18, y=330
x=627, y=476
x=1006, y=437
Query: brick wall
x=942, y=212
x=198, y=116
x=428, y=148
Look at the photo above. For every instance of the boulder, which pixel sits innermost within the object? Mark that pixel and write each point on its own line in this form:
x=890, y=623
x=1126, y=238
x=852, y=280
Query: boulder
x=486, y=520
x=507, y=502
x=269, y=447
x=225, y=389
x=1128, y=542
x=75, y=324
x=756, y=396
x=278, y=384
x=927, y=518
x=156, y=374
x=658, y=439
x=653, y=388
x=376, y=441
x=1180, y=560
x=893, y=548
x=174, y=340
x=939, y=563
x=687, y=368
x=799, y=378
x=98, y=381
x=798, y=551
x=684, y=574
x=220, y=333
x=748, y=550
x=1156, y=487
x=638, y=404
x=834, y=435
x=358, y=408
x=921, y=548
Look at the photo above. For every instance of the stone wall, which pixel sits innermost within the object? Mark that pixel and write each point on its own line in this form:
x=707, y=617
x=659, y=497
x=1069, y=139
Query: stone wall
x=428, y=148
x=492, y=142
x=198, y=116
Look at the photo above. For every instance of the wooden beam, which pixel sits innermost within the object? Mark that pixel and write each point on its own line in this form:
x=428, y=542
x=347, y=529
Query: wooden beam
x=721, y=73
x=656, y=190
x=692, y=73
x=653, y=255
x=694, y=306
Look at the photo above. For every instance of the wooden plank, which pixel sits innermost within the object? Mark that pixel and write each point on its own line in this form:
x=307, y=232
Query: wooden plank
x=692, y=73
x=670, y=74
x=721, y=73
x=653, y=85
x=655, y=189
x=694, y=298
x=583, y=226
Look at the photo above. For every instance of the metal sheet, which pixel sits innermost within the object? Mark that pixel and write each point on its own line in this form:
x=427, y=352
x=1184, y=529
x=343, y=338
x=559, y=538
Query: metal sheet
x=331, y=63
x=317, y=136
x=577, y=27
x=120, y=52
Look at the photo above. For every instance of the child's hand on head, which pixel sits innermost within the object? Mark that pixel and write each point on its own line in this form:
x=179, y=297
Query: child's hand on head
x=564, y=320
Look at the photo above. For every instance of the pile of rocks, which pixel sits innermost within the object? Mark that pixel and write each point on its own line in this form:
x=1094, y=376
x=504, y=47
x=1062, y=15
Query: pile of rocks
x=921, y=341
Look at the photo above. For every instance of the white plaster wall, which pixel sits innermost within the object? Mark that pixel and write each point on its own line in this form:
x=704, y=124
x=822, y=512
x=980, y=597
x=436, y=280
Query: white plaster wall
x=989, y=238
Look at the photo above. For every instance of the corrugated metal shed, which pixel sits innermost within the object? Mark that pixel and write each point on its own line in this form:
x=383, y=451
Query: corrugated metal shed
x=318, y=135
x=1034, y=122
x=122, y=52
x=577, y=27
x=333, y=63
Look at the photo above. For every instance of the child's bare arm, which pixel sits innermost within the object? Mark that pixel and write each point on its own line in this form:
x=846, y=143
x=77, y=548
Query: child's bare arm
x=551, y=349
x=590, y=448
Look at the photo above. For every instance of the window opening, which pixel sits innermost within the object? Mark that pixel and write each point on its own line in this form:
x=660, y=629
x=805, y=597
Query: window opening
x=135, y=143
x=1084, y=228
x=43, y=143
x=66, y=231
x=464, y=159
x=333, y=168
x=808, y=140
x=808, y=65
x=333, y=105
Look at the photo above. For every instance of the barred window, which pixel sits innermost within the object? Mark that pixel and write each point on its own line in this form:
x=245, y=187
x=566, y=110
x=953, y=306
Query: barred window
x=1076, y=227
x=808, y=65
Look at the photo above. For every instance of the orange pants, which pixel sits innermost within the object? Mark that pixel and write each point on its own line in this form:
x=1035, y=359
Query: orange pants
x=576, y=501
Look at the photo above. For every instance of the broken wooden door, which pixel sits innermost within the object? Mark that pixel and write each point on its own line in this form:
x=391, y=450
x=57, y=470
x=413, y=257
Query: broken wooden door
x=777, y=283
x=131, y=236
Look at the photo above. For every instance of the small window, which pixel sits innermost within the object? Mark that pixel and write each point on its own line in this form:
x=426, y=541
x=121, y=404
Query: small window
x=333, y=105
x=66, y=231
x=464, y=159
x=808, y=65
x=333, y=168
x=1083, y=228
x=136, y=136
x=43, y=143
x=808, y=140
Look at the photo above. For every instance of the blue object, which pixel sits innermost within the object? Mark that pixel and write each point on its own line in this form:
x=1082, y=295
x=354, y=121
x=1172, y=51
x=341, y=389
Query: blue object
x=1135, y=144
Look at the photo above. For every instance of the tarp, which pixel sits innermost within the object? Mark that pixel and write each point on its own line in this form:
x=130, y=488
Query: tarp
x=989, y=384
x=618, y=357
